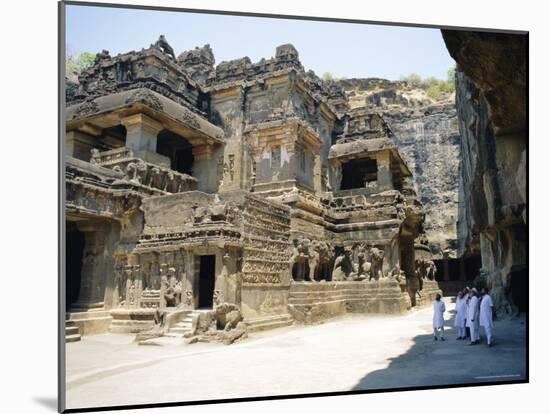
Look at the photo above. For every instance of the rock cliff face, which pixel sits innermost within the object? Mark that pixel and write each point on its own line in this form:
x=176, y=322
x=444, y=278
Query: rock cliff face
x=491, y=102
x=428, y=138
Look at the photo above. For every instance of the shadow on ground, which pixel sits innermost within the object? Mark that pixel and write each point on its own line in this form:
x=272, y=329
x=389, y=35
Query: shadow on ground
x=433, y=363
x=47, y=402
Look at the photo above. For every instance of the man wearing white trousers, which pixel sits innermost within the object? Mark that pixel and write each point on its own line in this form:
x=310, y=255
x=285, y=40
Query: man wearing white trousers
x=438, y=320
x=472, y=320
x=461, y=308
x=486, y=315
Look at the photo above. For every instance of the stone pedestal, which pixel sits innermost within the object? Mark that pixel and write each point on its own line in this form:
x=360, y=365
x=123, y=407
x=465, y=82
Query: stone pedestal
x=313, y=302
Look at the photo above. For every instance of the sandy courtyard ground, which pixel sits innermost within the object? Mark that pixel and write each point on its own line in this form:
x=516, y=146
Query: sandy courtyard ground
x=350, y=353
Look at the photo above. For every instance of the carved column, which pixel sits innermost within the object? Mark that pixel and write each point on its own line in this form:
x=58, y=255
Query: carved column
x=384, y=175
x=141, y=138
x=204, y=167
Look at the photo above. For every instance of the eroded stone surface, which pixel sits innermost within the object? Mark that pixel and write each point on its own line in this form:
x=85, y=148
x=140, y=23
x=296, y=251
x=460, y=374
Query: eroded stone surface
x=491, y=103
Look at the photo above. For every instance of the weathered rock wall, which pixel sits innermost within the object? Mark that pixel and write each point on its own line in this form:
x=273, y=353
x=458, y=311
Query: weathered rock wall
x=491, y=103
x=427, y=135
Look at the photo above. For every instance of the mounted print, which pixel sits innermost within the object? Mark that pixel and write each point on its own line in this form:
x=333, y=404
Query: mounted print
x=257, y=206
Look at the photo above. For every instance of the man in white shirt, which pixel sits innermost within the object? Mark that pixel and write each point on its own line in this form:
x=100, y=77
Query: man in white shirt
x=486, y=315
x=472, y=320
x=438, y=320
x=461, y=308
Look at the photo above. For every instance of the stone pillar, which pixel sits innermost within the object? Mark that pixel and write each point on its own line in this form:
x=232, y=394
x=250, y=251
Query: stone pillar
x=317, y=179
x=293, y=161
x=141, y=138
x=335, y=175
x=205, y=168
x=384, y=176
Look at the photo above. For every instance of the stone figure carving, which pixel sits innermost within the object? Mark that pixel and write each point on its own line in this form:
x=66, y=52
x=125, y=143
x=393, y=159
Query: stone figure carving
x=131, y=172
x=326, y=256
x=188, y=298
x=140, y=69
x=431, y=270
x=228, y=315
x=420, y=267
x=170, y=291
x=133, y=286
x=163, y=45
x=141, y=172
x=313, y=259
x=425, y=269
x=146, y=97
x=85, y=109
x=94, y=159
x=343, y=266
x=362, y=267
x=299, y=258
x=223, y=324
x=376, y=260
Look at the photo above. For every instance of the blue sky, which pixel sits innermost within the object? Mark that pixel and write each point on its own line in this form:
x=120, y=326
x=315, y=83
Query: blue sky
x=343, y=49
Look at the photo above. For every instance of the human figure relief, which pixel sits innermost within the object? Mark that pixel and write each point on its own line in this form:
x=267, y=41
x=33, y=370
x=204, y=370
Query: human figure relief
x=376, y=260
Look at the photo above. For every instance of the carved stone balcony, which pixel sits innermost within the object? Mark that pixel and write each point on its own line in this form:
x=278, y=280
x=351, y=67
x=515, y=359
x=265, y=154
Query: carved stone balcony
x=138, y=171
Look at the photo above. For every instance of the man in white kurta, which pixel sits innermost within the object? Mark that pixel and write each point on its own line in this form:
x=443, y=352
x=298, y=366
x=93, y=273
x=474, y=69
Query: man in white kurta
x=461, y=308
x=486, y=315
x=438, y=320
x=472, y=320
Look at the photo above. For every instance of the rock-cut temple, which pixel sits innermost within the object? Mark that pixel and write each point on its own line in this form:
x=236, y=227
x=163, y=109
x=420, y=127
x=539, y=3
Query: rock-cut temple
x=190, y=185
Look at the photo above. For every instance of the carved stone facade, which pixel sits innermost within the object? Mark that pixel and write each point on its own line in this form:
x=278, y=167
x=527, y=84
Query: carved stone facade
x=248, y=185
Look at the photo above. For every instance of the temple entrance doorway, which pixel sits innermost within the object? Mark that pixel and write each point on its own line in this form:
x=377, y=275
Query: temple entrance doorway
x=519, y=289
x=207, y=277
x=75, y=242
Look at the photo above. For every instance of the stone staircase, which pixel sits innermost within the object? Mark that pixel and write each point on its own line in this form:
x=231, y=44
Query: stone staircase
x=89, y=323
x=254, y=325
x=182, y=327
x=268, y=322
x=72, y=333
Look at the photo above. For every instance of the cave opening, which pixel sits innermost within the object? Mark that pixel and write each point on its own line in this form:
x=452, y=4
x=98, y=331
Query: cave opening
x=178, y=149
x=458, y=269
x=519, y=289
x=357, y=173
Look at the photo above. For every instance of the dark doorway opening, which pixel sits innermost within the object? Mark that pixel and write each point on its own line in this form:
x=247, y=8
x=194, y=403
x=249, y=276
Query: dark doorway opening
x=113, y=137
x=207, y=272
x=356, y=173
x=178, y=149
x=75, y=242
x=465, y=272
x=519, y=289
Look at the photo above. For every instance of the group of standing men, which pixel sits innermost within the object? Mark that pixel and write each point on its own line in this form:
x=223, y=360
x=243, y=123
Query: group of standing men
x=472, y=311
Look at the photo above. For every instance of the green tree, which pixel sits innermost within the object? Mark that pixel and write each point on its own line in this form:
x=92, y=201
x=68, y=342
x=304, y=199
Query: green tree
x=327, y=76
x=78, y=64
x=412, y=79
x=451, y=74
